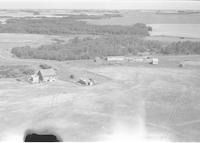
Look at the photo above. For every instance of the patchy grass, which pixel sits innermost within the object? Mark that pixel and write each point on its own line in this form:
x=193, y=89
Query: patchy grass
x=15, y=71
x=176, y=30
x=170, y=39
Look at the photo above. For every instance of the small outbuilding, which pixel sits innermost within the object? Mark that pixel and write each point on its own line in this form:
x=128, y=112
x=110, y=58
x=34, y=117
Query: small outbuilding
x=154, y=61
x=86, y=81
x=139, y=60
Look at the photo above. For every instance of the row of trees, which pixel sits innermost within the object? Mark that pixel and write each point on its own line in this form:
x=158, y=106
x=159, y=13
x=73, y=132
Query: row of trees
x=105, y=46
x=68, y=25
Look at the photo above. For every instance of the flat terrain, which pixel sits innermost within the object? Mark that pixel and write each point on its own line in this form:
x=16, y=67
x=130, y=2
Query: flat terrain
x=163, y=100
x=141, y=101
x=170, y=39
x=181, y=30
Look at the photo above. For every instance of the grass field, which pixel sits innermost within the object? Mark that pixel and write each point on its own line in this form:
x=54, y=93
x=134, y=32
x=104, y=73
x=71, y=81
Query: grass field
x=155, y=102
x=137, y=101
x=170, y=39
x=178, y=30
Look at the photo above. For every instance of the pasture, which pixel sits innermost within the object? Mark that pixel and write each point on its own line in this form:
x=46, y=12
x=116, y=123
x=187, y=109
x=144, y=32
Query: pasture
x=136, y=101
x=152, y=102
x=176, y=30
x=170, y=39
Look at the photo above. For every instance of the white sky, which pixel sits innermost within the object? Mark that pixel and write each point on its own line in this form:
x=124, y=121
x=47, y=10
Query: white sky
x=100, y=4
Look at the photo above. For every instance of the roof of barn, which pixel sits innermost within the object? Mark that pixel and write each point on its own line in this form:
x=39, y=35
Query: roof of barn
x=47, y=72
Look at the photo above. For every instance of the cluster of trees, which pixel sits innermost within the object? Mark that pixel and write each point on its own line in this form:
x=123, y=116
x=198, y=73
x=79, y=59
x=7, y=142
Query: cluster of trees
x=88, y=48
x=69, y=25
x=177, y=48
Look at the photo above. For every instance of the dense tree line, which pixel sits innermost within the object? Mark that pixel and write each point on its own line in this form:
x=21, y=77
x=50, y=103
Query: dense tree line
x=67, y=25
x=88, y=48
x=177, y=48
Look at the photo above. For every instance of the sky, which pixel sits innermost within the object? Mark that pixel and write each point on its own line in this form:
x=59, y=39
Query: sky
x=100, y=4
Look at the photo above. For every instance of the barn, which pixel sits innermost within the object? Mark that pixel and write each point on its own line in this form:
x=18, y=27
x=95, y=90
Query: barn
x=139, y=60
x=115, y=58
x=47, y=75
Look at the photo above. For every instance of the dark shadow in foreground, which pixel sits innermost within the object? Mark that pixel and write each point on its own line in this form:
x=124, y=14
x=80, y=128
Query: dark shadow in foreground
x=33, y=136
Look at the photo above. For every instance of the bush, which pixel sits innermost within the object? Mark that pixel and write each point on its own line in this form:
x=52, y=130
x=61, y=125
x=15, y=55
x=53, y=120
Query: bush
x=45, y=66
x=72, y=76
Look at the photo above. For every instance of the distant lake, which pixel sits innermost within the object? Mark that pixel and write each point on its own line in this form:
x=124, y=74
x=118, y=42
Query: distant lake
x=180, y=30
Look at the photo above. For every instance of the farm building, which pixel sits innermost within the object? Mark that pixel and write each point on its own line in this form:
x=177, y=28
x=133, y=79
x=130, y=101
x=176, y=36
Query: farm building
x=139, y=60
x=154, y=61
x=148, y=59
x=47, y=75
x=86, y=81
x=115, y=58
x=130, y=59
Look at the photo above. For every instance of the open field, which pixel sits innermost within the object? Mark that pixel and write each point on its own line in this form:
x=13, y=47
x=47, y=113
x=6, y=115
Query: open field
x=170, y=39
x=178, y=30
x=152, y=101
x=157, y=102
x=137, y=101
